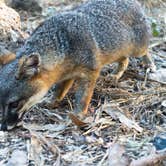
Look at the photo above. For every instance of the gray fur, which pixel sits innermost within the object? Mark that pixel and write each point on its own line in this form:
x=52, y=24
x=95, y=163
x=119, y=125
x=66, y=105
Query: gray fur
x=106, y=25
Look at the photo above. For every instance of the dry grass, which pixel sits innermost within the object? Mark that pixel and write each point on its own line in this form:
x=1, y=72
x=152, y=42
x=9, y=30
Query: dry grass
x=48, y=136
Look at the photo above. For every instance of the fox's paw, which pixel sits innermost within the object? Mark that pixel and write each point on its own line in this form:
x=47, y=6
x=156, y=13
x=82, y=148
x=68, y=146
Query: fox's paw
x=115, y=79
x=50, y=104
x=77, y=119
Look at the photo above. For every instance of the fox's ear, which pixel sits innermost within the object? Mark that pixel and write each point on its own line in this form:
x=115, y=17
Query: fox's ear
x=29, y=66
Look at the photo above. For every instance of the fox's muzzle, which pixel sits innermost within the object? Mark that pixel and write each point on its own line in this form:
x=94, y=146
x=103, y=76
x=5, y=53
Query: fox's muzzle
x=9, y=121
x=4, y=126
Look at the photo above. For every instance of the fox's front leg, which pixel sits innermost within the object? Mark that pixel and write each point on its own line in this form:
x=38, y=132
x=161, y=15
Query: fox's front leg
x=62, y=89
x=59, y=93
x=84, y=92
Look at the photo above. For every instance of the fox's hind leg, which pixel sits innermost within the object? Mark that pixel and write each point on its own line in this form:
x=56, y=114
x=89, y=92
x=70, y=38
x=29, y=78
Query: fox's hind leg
x=84, y=92
x=122, y=66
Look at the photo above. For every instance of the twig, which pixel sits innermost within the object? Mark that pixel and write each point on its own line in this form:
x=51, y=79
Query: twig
x=146, y=77
x=152, y=159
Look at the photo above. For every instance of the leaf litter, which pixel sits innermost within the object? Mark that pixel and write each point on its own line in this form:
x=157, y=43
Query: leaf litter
x=121, y=127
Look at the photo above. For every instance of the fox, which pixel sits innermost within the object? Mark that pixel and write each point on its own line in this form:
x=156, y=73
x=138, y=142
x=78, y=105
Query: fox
x=72, y=45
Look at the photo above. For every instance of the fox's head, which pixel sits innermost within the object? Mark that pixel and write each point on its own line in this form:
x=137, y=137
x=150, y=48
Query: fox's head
x=21, y=86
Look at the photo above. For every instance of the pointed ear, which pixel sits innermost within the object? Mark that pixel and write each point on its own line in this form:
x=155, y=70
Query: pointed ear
x=29, y=66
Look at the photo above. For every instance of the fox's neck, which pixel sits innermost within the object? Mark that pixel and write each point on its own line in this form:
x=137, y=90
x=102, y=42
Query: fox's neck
x=56, y=73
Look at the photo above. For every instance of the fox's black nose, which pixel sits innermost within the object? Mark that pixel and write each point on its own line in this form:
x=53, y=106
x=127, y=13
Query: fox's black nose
x=12, y=117
x=4, y=126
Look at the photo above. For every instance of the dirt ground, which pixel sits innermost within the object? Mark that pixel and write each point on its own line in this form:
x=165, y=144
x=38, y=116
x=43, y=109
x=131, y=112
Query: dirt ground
x=126, y=124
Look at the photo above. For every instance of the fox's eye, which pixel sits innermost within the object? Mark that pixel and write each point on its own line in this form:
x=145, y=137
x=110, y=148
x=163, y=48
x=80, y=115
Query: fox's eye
x=14, y=104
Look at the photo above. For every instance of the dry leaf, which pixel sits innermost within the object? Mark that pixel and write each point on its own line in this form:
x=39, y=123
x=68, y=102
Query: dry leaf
x=36, y=150
x=94, y=140
x=115, y=113
x=2, y=136
x=116, y=156
x=51, y=147
x=18, y=158
x=163, y=103
x=159, y=75
x=77, y=121
x=150, y=160
x=50, y=127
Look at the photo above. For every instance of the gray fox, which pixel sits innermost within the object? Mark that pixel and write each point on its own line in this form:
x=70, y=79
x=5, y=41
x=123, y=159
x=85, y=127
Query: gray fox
x=72, y=45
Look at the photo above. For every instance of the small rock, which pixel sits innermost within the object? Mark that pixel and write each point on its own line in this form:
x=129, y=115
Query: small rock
x=10, y=24
x=30, y=5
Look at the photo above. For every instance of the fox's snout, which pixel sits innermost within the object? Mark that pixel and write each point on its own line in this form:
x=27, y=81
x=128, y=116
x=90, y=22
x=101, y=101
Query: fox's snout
x=9, y=120
x=4, y=126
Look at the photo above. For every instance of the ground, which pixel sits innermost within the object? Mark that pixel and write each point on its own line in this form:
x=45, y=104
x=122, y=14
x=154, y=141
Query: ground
x=124, y=122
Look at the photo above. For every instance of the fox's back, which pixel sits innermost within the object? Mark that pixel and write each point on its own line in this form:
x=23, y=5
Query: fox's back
x=116, y=23
x=104, y=26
